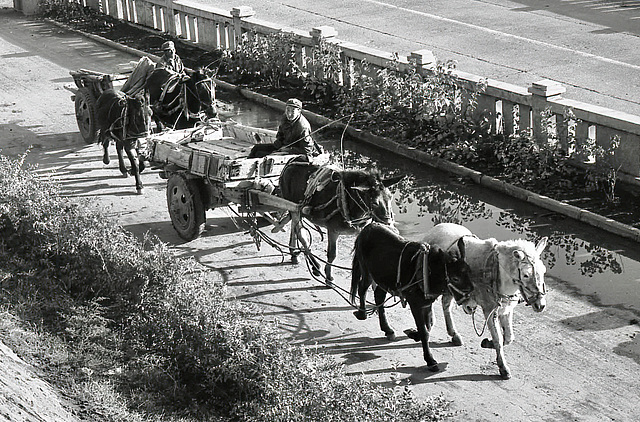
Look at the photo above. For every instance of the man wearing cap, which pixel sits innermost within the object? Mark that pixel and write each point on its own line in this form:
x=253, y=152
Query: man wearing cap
x=170, y=60
x=294, y=135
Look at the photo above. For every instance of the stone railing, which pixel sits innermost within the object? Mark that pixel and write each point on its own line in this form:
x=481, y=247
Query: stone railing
x=511, y=108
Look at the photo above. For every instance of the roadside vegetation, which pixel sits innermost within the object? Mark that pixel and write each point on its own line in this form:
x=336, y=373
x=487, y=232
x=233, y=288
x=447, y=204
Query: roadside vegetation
x=137, y=334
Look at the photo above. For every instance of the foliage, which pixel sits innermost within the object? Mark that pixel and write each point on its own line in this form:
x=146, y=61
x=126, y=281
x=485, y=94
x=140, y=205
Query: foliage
x=143, y=335
x=265, y=58
x=602, y=165
x=64, y=10
x=324, y=72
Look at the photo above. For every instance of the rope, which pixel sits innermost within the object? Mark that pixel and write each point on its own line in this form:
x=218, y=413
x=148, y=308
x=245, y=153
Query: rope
x=473, y=319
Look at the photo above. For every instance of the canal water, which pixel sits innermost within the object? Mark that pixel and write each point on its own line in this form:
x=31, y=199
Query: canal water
x=598, y=265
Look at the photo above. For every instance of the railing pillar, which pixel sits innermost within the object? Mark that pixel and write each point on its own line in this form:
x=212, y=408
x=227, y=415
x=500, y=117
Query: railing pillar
x=94, y=5
x=238, y=14
x=319, y=33
x=541, y=92
x=170, y=18
x=323, y=31
x=422, y=60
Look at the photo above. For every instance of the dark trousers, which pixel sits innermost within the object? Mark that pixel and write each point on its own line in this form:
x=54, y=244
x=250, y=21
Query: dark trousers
x=260, y=150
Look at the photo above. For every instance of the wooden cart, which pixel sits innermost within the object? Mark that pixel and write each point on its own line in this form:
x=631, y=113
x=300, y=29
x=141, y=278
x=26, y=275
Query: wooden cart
x=207, y=167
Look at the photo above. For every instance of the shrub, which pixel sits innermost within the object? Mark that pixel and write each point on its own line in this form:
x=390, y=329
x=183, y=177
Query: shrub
x=147, y=334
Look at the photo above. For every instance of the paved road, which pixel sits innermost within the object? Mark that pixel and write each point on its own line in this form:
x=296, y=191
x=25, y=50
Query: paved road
x=590, y=46
x=579, y=360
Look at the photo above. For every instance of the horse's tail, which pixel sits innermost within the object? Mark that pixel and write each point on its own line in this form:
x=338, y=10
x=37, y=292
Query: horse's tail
x=357, y=271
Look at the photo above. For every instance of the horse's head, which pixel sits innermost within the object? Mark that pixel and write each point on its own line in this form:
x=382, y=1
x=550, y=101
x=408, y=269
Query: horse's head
x=528, y=273
x=201, y=93
x=137, y=117
x=458, y=276
x=371, y=198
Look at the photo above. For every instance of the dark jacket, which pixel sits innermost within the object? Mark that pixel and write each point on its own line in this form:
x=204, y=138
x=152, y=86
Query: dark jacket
x=295, y=137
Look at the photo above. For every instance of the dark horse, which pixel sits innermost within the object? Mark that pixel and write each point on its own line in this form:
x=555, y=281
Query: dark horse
x=340, y=201
x=415, y=272
x=180, y=102
x=124, y=119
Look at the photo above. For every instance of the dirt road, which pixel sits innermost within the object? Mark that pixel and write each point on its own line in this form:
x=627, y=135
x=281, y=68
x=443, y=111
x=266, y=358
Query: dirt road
x=575, y=362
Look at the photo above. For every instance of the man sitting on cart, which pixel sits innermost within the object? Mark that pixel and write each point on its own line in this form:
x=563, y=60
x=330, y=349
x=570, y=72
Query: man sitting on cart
x=294, y=135
x=169, y=59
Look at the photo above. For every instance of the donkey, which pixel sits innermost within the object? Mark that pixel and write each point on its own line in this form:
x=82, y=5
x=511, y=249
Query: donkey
x=503, y=273
x=416, y=272
x=124, y=119
x=180, y=101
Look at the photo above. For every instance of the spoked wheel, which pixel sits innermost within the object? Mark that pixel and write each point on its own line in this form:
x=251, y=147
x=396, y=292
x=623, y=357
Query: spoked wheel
x=86, y=116
x=185, y=206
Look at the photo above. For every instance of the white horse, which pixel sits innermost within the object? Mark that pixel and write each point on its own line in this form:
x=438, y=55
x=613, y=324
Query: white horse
x=503, y=273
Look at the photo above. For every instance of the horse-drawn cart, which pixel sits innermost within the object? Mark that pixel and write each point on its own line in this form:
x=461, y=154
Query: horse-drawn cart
x=207, y=167
x=89, y=86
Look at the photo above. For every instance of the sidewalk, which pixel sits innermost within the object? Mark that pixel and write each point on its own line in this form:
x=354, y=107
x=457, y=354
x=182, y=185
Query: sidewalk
x=590, y=47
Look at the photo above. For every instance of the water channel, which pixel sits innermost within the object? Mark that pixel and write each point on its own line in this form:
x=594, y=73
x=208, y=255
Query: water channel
x=602, y=267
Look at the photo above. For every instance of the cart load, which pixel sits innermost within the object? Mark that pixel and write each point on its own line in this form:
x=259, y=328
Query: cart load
x=208, y=167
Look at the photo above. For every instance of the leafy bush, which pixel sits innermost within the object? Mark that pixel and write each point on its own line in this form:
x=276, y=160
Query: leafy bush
x=146, y=334
x=264, y=58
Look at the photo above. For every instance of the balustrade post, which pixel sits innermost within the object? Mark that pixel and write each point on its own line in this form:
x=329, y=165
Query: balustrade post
x=170, y=18
x=541, y=92
x=318, y=34
x=238, y=14
x=423, y=60
x=94, y=5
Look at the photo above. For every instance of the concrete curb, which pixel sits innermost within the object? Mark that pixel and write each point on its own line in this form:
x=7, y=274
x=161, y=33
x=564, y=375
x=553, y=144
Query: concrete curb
x=387, y=144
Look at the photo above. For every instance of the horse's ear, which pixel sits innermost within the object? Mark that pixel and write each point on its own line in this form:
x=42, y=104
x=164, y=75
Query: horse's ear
x=461, y=248
x=336, y=176
x=518, y=254
x=542, y=243
x=392, y=181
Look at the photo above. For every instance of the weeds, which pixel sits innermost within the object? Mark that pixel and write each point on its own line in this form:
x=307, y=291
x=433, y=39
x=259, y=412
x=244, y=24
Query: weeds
x=140, y=335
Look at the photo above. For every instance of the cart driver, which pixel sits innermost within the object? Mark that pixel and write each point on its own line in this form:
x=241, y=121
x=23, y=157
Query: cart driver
x=294, y=135
x=169, y=59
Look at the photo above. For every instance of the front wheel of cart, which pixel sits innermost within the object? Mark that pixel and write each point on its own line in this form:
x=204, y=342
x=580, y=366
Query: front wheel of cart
x=186, y=208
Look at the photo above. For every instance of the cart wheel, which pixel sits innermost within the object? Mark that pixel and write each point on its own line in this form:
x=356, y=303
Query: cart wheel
x=86, y=116
x=185, y=206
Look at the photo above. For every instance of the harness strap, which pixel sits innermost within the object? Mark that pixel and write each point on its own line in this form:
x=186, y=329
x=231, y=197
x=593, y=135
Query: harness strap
x=425, y=248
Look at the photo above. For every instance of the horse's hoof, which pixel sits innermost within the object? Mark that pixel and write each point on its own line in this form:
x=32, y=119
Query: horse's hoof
x=456, y=340
x=412, y=334
x=140, y=191
x=106, y=160
x=328, y=284
x=433, y=367
x=486, y=343
x=505, y=374
x=294, y=259
x=390, y=336
x=361, y=315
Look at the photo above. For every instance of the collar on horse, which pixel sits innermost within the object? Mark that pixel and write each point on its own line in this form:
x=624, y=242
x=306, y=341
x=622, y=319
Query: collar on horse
x=179, y=104
x=124, y=118
x=318, y=181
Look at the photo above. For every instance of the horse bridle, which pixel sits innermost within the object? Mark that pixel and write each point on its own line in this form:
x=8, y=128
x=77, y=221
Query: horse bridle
x=534, y=296
x=368, y=214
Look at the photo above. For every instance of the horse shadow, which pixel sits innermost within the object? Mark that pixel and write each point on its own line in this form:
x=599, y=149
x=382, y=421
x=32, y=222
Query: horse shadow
x=602, y=320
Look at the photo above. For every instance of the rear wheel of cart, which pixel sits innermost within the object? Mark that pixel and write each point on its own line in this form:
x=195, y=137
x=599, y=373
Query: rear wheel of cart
x=86, y=116
x=185, y=206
